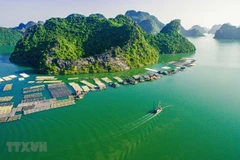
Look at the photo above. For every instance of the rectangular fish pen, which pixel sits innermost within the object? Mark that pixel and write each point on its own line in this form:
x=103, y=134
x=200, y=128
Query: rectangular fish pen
x=7, y=87
x=6, y=98
x=59, y=90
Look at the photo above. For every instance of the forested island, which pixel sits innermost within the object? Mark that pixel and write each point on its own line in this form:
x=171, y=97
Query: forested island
x=79, y=44
x=227, y=31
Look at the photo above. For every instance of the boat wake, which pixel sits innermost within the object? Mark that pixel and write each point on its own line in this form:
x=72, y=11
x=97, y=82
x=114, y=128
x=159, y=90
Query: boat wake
x=137, y=124
x=131, y=126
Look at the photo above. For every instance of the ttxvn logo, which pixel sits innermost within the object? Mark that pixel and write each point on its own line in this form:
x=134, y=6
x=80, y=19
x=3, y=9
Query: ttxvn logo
x=27, y=146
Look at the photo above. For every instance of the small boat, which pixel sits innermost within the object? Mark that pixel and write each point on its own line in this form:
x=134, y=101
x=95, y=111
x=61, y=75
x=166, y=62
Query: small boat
x=115, y=85
x=132, y=81
x=79, y=95
x=158, y=109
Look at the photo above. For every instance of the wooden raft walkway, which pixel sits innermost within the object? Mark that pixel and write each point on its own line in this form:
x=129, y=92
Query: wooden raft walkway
x=75, y=86
x=99, y=83
x=88, y=84
x=106, y=79
x=118, y=79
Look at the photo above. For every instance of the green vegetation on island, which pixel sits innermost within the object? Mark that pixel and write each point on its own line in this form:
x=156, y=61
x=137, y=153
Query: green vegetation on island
x=9, y=36
x=169, y=40
x=94, y=44
x=227, y=31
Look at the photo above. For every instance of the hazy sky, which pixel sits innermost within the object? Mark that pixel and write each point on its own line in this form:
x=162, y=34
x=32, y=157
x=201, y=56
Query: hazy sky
x=191, y=12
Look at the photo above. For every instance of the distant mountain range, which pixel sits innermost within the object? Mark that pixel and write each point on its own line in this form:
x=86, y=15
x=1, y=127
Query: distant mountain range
x=148, y=22
x=191, y=32
x=214, y=28
x=152, y=25
x=200, y=29
x=228, y=31
x=23, y=27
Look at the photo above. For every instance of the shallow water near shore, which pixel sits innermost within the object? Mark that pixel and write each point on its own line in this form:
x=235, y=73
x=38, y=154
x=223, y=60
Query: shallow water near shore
x=202, y=121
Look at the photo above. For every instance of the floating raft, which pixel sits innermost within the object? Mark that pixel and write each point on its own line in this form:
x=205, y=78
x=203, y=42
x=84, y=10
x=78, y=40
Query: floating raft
x=30, y=82
x=106, y=79
x=153, y=70
x=99, y=83
x=14, y=118
x=34, y=87
x=59, y=90
x=88, y=84
x=6, y=98
x=34, y=95
x=33, y=90
x=33, y=100
x=59, y=81
x=46, y=78
x=21, y=79
x=7, y=78
x=5, y=108
x=3, y=119
x=183, y=62
x=43, y=105
x=63, y=103
x=85, y=88
x=38, y=82
x=24, y=75
x=74, y=78
x=118, y=79
x=7, y=87
x=75, y=86
x=12, y=76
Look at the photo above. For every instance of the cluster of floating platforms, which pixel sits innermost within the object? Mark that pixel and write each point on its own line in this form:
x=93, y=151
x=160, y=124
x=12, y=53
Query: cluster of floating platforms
x=11, y=77
x=33, y=100
x=33, y=107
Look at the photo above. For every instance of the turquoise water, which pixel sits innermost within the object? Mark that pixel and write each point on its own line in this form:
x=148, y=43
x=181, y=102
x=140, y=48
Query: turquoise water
x=201, y=123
